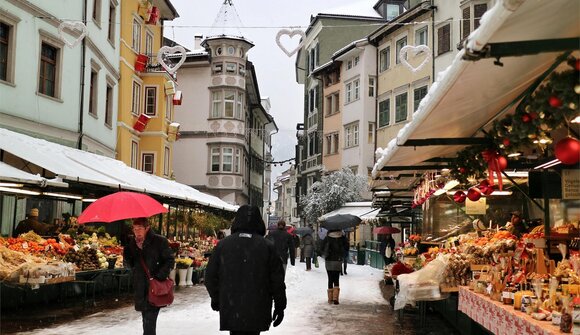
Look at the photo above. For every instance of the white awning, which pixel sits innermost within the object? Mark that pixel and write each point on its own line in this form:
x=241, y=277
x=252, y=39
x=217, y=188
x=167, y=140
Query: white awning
x=85, y=167
x=361, y=209
x=467, y=95
x=11, y=174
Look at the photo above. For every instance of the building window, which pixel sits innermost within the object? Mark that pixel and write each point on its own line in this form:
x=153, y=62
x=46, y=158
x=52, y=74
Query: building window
x=215, y=159
x=351, y=136
x=421, y=36
x=444, y=39
x=231, y=68
x=94, y=83
x=217, y=104
x=242, y=70
x=148, y=163
x=313, y=58
x=240, y=106
x=224, y=160
x=151, y=101
x=109, y=106
x=218, y=68
x=384, y=112
x=332, y=104
x=97, y=11
x=392, y=11
x=112, y=22
x=5, y=46
x=401, y=107
x=166, y=160
x=229, y=102
x=332, y=143
x=418, y=95
x=385, y=59
x=48, y=70
x=335, y=142
x=148, y=43
x=328, y=140
x=478, y=11
x=348, y=93
x=136, y=44
x=356, y=60
x=372, y=86
x=136, y=106
x=134, y=154
x=466, y=22
x=400, y=44
x=349, y=64
x=371, y=134
x=356, y=89
x=237, y=160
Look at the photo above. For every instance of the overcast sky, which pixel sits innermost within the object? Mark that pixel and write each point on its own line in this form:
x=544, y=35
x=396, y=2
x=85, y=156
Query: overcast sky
x=275, y=70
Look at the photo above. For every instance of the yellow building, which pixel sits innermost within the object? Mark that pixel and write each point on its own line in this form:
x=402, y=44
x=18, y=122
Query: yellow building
x=146, y=89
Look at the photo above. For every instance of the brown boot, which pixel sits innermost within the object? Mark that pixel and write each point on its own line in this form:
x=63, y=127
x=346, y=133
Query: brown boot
x=330, y=292
x=335, y=294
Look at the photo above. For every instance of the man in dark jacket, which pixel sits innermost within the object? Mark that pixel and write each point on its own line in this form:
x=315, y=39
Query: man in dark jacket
x=284, y=243
x=159, y=259
x=244, y=274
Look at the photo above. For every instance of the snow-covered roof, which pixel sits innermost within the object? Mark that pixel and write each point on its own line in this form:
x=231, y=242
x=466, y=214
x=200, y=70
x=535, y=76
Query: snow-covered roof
x=453, y=108
x=12, y=174
x=359, y=8
x=82, y=166
x=361, y=209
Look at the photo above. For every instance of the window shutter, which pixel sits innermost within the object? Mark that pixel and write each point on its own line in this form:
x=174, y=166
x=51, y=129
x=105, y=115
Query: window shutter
x=478, y=11
x=466, y=23
x=443, y=39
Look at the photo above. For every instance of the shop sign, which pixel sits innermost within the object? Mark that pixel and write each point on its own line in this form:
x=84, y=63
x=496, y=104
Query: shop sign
x=476, y=207
x=570, y=184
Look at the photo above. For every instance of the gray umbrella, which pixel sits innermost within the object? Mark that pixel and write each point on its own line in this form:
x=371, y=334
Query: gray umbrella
x=303, y=231
x=340, y=221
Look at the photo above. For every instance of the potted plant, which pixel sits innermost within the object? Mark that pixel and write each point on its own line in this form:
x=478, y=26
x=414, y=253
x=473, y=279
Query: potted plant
x=182, y=265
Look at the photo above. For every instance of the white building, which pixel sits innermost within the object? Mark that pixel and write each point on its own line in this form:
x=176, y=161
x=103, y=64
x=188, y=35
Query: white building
x=285, y=187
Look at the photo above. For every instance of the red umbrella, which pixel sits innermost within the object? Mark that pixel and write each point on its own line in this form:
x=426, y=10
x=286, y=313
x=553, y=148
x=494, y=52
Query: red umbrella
x=385, y=230
x=120, y=206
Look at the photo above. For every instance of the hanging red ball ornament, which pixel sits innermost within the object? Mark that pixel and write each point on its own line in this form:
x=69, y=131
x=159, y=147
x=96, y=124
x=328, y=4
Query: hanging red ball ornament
x=555, y=102
x=473, y=194
x=506, y=142
x=459, y=197
x=577, y=66
x=568, y=151
x=462, y=170
x=526, y=118
x=534, y=115
x=501, y=162
x=485, y=187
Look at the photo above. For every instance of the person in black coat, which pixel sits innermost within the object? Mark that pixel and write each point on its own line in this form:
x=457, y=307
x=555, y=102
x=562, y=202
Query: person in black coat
x=244, y=274
x=332, y=249
x=158, y=258
x=284, y=243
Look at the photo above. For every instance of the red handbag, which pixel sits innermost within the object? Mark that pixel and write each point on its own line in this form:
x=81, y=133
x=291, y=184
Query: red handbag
x=160, y=292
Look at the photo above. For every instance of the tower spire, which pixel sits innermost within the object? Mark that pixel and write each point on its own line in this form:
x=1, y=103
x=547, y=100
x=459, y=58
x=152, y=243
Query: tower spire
x=227, y=21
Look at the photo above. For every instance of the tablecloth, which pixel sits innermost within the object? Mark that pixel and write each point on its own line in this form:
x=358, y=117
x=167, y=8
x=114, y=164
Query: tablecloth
x=499, y=318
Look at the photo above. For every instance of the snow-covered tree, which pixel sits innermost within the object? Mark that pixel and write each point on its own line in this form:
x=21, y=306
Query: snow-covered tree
x=333, y=191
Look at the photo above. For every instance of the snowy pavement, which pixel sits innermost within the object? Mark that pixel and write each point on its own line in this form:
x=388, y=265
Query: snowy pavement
x=307, y=311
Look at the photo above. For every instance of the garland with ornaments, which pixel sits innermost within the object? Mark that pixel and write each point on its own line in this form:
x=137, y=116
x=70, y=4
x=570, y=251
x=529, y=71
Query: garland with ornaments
x=550, y=107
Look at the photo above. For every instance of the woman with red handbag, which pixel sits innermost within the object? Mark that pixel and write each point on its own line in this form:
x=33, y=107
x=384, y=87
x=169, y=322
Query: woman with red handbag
x=151, y=250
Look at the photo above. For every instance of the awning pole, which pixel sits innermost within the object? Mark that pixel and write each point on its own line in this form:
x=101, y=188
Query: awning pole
x=519, y=188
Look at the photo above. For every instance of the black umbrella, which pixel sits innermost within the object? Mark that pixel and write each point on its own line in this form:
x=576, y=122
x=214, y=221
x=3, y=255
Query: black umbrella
x=303, y=231
x=340, y=221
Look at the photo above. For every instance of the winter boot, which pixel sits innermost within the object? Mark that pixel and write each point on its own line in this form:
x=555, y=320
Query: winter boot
x=335, y=294
x=330, y=293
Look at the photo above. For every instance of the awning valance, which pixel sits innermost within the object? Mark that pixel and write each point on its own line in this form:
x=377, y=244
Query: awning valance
x=11, y=174
x=467, y=95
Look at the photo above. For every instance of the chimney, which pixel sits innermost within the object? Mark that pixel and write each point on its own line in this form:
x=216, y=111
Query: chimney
x=197, y=42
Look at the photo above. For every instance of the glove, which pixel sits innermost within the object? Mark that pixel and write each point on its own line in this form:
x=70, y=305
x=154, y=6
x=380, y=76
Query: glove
x=215, y=305
x=277, y=317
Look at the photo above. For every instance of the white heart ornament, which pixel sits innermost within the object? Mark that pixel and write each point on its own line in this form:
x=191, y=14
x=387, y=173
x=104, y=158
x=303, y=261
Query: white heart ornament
x=72, y=25
x=414, y=50
x=171, y=51
x=291, y=34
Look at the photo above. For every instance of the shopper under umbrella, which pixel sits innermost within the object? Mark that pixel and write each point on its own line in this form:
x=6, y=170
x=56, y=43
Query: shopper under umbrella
x=340, y=221
x=121, y=206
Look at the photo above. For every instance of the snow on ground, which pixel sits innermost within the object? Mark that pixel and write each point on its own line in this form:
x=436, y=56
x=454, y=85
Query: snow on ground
x=191, y=312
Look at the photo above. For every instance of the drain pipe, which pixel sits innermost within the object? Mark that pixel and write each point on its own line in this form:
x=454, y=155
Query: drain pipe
x=82, y=91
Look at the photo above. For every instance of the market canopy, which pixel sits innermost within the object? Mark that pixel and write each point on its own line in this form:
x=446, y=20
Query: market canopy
x=470, y=94
x=11, y=174
x=74, y=165
x=361, y=209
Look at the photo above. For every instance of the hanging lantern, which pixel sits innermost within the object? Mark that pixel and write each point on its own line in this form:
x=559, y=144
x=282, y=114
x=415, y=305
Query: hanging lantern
x=177, y=98
x=141, y=62
x=568, y=151
x=141, y=122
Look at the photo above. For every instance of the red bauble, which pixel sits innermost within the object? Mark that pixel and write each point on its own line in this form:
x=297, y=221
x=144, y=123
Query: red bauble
x=555, y=102
x=501, y=161
x=485, y=187
x=473, y=194
x=462, y=170
x=568, y=151
x=577, y=66
x=534, y=115
x=506, y=142
x=459, y=197
x=526, y=118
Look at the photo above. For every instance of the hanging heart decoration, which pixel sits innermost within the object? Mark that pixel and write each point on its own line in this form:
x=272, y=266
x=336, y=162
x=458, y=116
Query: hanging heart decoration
x=414, y=51
x=290, y=34
x=171, y=51
x=74, y=26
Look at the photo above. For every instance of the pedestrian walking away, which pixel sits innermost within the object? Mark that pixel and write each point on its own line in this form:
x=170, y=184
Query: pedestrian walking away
x=154, y=250
x=284, y=243
x=244, y=275
x=345, y=256
x=332, y=249
x=308, y=249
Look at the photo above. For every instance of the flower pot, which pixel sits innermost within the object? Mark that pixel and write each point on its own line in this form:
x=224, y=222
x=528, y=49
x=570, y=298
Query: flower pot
x=188, y=280
x=182, y=276
x=172, y=274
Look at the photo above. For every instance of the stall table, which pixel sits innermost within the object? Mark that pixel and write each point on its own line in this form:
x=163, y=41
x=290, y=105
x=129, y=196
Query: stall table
x=499, y=318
